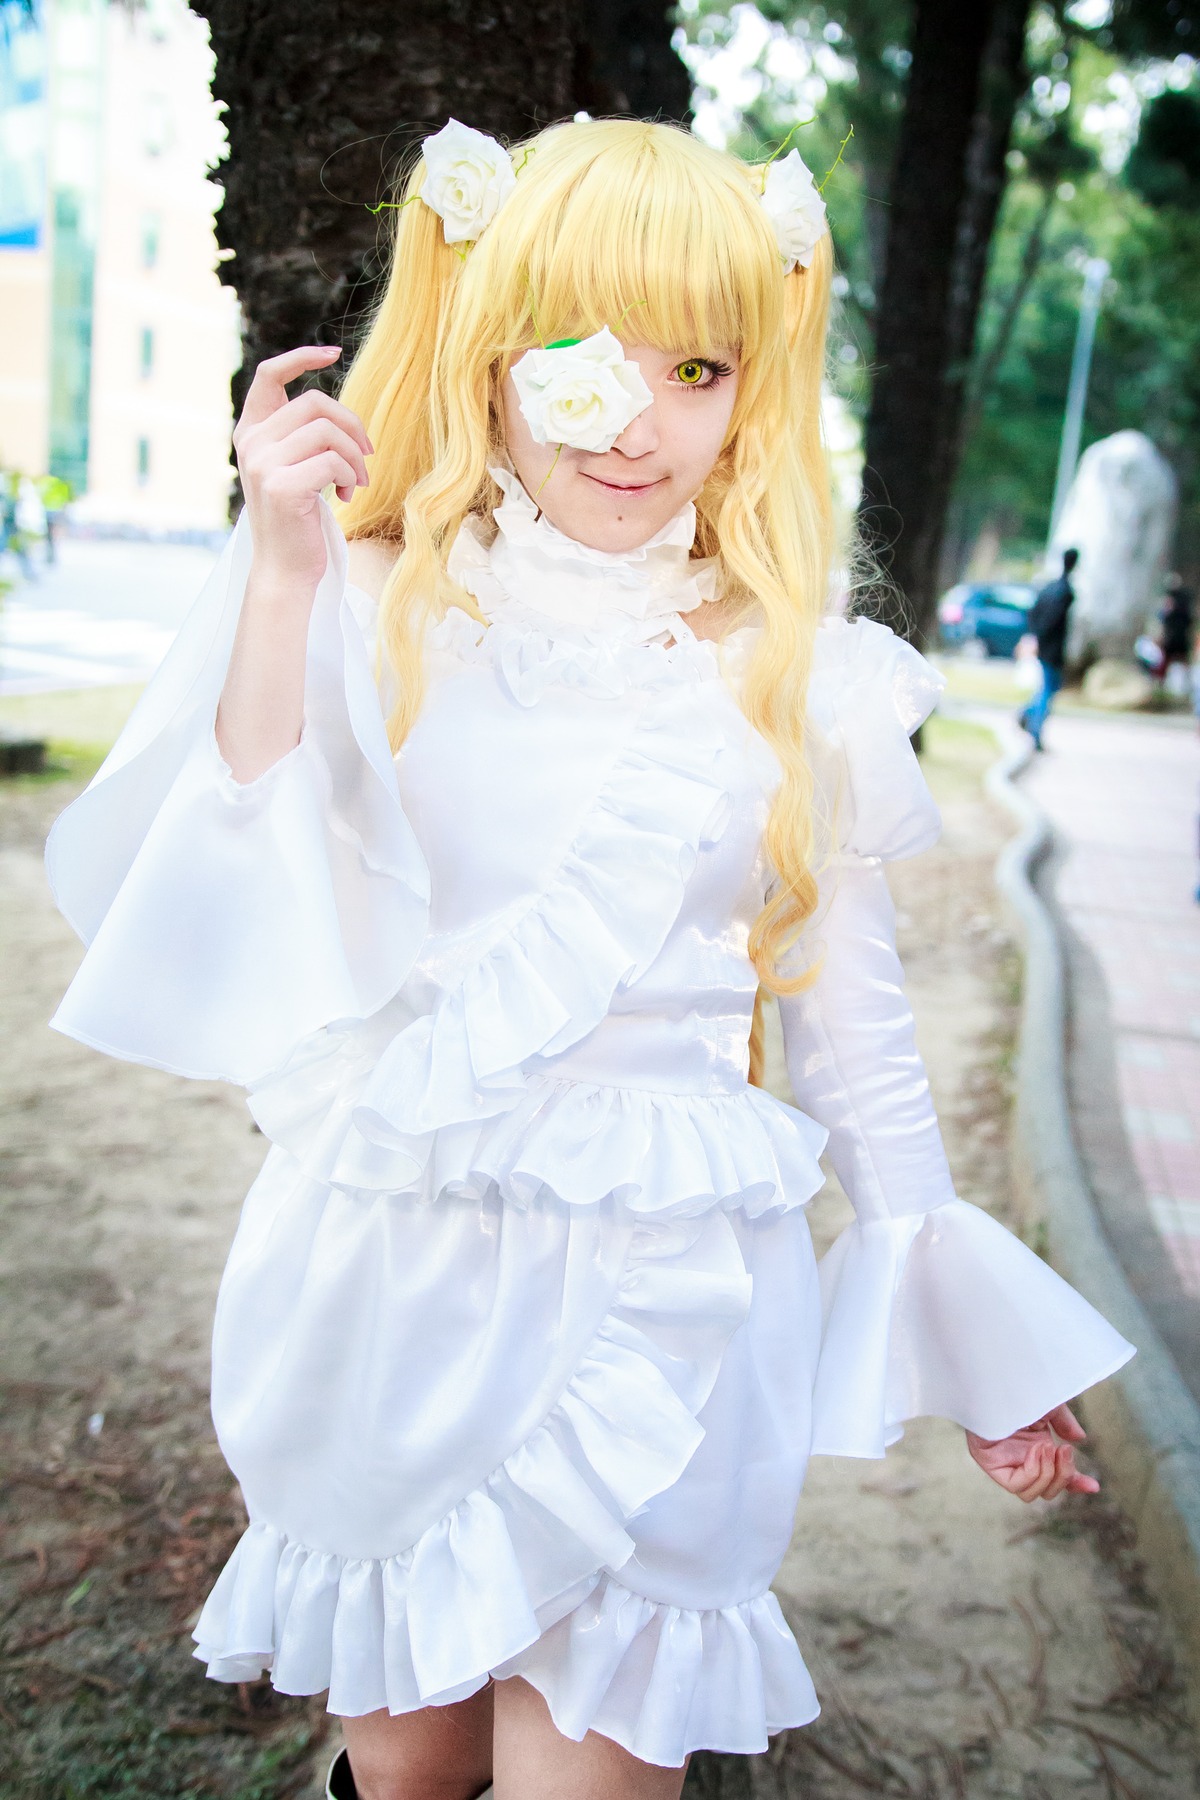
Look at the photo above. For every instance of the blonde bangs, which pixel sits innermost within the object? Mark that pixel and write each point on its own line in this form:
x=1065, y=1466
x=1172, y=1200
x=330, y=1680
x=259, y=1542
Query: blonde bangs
x=641, y=226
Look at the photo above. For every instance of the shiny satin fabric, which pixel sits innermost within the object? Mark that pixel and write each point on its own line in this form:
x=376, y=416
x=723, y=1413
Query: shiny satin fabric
x=522, y=1349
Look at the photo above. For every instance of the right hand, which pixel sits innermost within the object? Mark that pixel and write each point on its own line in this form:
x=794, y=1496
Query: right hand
x=287, y=451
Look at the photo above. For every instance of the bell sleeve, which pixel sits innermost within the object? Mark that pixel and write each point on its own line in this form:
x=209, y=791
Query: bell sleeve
x=929, y=1305
x=225, y=922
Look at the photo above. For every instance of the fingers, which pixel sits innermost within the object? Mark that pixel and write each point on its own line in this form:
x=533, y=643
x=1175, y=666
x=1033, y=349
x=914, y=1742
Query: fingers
x=1063, y=1421
x=292, y=482
x=268, y=391
x=310, y=405
x=259, y=459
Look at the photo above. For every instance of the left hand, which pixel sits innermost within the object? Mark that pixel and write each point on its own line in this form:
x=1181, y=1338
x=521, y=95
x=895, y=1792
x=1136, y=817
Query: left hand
x=1038, y=1462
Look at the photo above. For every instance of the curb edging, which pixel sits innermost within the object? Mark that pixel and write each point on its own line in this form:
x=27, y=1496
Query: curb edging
x=1145, y=1416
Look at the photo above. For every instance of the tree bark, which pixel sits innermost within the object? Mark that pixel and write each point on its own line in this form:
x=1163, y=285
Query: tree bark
x=321, y=103
x=966, y=77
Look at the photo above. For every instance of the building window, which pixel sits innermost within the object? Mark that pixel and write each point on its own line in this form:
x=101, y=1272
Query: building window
x=146, y=359
x=150, y=231
x=143, y=461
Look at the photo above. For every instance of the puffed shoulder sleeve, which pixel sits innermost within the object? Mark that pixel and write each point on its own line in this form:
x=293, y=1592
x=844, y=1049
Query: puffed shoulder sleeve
x=869, y=692
x=930, y=1306
x=226, y=922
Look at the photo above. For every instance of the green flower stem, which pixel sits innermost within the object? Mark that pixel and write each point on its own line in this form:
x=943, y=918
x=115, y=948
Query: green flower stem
x=837, y=159
x=557, y=453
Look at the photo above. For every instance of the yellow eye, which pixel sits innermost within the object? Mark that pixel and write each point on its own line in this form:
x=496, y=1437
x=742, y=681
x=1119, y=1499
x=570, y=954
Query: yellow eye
x=692, y=373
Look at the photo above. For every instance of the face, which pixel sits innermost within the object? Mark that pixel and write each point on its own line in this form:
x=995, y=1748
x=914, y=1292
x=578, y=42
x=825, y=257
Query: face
x=618, y=499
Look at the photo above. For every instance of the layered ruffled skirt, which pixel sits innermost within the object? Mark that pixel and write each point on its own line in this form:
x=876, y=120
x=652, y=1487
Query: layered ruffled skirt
x=501, y=1436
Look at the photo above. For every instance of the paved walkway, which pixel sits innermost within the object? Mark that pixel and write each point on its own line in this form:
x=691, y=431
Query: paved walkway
x=1124, y=795
x=105, y=613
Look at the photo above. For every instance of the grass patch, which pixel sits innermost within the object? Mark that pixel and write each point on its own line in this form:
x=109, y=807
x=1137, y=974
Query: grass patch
x=994, y=681
x=65, y=761
x=91, y=717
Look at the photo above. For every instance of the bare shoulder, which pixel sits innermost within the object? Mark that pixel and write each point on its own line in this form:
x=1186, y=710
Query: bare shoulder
x=370, y=561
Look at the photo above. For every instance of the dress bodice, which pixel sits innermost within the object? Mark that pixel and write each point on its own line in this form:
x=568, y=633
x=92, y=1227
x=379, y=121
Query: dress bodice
x=583, y=752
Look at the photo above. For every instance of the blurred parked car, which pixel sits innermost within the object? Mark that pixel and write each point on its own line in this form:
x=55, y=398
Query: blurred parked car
x=991, y=613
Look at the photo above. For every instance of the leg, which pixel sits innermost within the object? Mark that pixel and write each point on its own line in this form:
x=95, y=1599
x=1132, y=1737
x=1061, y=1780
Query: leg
x=1035, y=714
x=533, y=1761
x=438, y=1753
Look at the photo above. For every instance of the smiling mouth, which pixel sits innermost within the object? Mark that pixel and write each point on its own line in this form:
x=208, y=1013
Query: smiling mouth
x=625, y=487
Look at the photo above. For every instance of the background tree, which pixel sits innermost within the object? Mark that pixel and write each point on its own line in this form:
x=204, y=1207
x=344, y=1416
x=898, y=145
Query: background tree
x=931, y=88
x=1068, y=189
x=966, y=77
x=322, y=104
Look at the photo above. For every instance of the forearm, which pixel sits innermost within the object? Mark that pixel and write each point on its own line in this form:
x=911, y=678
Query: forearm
x=261, y=709
x=852, y=1055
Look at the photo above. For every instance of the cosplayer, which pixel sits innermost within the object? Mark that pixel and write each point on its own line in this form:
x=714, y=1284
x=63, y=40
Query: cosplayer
x=467, y=851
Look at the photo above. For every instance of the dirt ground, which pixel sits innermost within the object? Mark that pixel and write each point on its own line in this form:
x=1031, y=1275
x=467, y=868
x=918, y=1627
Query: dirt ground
x=963, y=1645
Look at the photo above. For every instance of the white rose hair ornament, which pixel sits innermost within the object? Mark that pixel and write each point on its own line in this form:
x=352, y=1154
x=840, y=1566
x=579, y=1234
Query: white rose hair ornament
x=583, y=392
x=468, y=177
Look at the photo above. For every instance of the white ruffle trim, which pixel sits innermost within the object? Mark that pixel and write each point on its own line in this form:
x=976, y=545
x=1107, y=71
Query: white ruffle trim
x=664, y=1680
x=550, y=980
x=530, y=655
x=667, y=1155
x=481, y=1584
x=414, y=1114
x=947, y=1314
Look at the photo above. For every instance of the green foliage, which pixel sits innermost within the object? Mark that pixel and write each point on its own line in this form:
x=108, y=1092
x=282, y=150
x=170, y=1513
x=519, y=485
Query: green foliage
x=1071, y=195
x=1151, y=28
x=1164, y=167
x=1141, y=218
x=832, y=66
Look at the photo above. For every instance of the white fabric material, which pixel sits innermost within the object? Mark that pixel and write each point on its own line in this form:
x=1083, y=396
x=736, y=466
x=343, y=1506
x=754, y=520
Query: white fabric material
x=930, y=1306
x=225, y=922
x=519, y=1346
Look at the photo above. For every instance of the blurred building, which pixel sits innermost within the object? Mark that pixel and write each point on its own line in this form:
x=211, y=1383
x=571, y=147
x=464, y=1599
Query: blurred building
x=117, y=341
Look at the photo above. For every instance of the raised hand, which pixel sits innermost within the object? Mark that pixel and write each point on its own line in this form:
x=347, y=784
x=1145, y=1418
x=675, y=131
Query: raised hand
x=1038, y=1462
x=287, y=451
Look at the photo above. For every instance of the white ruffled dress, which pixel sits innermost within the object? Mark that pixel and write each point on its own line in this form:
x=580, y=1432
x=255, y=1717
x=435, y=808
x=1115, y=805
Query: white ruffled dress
x=522, y=1347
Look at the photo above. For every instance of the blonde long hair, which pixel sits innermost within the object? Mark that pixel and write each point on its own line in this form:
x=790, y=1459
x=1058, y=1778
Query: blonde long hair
x=608, y=215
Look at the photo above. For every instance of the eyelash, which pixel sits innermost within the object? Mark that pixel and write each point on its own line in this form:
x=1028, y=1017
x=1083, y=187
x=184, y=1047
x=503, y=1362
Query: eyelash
x=718, y=371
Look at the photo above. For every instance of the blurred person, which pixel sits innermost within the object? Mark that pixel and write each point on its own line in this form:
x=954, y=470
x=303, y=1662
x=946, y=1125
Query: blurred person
x=1176, y=620
x=13, y=536
x=55, y=496
x=1048, y=618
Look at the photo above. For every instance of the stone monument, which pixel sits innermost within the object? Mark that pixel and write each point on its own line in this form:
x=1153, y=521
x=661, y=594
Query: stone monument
x=1119, y=514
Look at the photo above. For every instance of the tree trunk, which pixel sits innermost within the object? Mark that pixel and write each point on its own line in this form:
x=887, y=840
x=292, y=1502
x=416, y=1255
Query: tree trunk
x=322, y=102
x=966, y=77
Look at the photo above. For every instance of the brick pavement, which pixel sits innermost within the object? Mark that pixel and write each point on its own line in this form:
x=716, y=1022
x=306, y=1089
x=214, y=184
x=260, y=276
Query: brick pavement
x=1123, y=796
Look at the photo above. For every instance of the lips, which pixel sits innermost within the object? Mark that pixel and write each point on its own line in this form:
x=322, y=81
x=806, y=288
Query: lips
x=624, y=487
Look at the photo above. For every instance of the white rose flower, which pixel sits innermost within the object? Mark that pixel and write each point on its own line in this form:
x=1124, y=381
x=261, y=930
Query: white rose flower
x=583, y=394
x=795, y=208
x=468, y=177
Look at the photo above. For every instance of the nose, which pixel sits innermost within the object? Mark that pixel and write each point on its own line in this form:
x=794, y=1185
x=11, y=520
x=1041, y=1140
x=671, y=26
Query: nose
x=640, y=437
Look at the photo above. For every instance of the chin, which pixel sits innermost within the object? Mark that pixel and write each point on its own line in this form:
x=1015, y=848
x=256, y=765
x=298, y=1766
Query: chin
x=600, y=527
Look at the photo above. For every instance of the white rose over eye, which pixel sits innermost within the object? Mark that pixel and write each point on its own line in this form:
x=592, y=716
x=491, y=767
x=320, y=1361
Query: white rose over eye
x=795, y=208
x=583, y=395
x=468, y=177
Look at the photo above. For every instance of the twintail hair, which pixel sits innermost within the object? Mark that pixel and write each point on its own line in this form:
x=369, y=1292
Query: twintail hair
x=607, y=215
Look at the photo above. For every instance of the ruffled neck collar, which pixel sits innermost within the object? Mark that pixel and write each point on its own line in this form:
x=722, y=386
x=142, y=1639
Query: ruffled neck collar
x=571, y=590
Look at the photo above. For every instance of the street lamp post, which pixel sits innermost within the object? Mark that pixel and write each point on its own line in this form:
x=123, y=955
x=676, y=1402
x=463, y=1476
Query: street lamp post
x=1094, y=275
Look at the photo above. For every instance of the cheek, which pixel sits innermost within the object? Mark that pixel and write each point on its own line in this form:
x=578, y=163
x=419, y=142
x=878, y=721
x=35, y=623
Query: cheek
x=527, y=458
x=699, y=427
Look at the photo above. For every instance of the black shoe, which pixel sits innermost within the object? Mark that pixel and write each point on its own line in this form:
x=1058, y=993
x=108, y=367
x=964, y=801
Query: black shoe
x=339, y=1783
